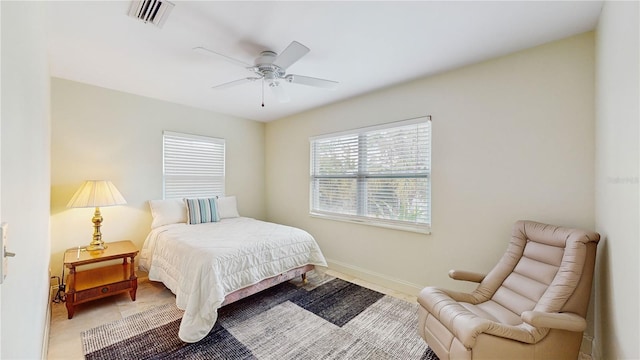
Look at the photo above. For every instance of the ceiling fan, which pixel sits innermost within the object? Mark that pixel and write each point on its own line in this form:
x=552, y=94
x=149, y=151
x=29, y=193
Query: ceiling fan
x=271, y=69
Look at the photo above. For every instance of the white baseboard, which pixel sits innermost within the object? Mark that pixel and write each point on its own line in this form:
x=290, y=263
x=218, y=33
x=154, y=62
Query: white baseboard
x=586, y=348
x=47, y=329
x=47, y=322
x=374, y=277
x=595, y=349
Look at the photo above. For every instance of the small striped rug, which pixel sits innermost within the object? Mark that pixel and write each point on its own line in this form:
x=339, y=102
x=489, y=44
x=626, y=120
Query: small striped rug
x=335, y=320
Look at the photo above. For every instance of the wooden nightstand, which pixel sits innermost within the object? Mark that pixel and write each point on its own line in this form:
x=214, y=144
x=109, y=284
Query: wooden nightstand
x=96, y=283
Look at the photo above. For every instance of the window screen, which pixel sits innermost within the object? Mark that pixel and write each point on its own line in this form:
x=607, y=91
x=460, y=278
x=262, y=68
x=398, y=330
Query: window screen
x=193, y=166
x=377, y=174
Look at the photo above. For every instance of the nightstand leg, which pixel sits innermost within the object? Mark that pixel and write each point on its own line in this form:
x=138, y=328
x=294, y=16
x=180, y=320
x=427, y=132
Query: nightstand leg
x=132, y=292
x=71, y=292
x=70, y=310
x=133, y=278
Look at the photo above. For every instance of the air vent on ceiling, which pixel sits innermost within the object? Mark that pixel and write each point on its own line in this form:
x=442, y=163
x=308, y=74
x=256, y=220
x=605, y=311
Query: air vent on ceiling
x=151, y=11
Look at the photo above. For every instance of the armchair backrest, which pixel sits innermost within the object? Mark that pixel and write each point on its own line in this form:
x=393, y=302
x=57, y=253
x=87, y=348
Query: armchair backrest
x=545, y=268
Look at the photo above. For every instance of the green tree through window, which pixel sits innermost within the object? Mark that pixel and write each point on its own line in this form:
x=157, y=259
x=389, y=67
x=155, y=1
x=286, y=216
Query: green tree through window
x=376, y=174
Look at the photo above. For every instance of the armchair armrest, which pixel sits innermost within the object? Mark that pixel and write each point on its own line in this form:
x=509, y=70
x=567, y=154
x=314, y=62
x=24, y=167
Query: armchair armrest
x=466, y=276
x=562, y=321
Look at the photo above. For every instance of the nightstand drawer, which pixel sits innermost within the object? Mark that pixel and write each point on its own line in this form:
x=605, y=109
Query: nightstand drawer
x=93, y=278
x=104, y=290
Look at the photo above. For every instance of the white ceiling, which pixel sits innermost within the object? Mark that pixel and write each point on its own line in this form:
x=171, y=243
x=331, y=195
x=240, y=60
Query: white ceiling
x=364, y=45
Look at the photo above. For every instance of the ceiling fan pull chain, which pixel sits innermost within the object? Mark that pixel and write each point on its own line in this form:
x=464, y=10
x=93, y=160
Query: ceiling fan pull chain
x=262, y=92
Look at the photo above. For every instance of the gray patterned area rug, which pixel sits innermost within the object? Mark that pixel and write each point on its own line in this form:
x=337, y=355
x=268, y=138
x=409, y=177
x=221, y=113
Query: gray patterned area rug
x=333, y=320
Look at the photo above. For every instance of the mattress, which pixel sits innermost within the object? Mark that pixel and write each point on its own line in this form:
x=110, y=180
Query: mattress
x=203, y=263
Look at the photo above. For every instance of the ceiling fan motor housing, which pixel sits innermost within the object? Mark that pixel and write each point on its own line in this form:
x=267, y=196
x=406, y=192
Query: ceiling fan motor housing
x=264, y=66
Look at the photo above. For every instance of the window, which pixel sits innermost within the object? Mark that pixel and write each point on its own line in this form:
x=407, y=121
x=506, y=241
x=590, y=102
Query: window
x=193, y=166
x=378, y=175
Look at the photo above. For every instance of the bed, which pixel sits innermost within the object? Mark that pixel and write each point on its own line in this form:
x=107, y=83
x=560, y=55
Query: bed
x=212, y=263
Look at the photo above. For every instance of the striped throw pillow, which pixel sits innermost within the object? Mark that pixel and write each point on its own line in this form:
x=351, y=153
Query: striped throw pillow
x=201, y=211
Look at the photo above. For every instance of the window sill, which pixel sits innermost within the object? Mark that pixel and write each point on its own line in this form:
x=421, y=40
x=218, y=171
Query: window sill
x=372, y=222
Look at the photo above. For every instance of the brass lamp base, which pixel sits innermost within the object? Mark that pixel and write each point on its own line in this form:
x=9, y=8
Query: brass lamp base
x=96, y=247
x=97, y=243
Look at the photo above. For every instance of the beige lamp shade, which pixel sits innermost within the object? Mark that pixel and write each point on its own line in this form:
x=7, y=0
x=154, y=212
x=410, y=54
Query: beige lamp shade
x=96, y=193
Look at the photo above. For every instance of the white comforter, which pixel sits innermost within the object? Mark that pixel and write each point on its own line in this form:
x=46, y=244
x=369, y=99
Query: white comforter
x=202, y=263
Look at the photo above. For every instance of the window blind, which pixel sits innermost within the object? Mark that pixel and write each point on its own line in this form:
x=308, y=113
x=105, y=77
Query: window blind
x=379, y=174
x=193, y=166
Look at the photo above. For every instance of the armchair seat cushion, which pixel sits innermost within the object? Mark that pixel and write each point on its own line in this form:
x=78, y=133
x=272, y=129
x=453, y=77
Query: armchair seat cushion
x=495, y=312
x=465, y=321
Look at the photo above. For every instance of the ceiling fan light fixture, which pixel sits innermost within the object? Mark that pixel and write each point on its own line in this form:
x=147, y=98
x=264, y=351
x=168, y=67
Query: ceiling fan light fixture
x=151, y=11
x=269, y=75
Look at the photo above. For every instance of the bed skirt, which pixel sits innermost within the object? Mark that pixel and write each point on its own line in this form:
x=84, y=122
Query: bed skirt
x=265, y=284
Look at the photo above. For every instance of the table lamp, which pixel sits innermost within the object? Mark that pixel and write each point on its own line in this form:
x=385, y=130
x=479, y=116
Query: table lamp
x=96, y=193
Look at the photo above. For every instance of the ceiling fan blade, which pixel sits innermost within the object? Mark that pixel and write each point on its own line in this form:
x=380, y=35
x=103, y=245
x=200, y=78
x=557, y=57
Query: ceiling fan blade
x=311, y=81
x=291, y=54
x=208, y=52
x=235, y=83
x=279, y=92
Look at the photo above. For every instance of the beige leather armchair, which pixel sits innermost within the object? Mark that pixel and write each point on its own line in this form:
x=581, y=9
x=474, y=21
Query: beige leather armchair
x=531, y=305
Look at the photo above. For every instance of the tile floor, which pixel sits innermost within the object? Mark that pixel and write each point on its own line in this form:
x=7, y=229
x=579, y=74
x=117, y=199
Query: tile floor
x=64, y=334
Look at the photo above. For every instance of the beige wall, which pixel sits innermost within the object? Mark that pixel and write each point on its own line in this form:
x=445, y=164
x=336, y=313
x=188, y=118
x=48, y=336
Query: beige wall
x=617, y=161
x=25, y=172
x=513, y=138
x=104, y=134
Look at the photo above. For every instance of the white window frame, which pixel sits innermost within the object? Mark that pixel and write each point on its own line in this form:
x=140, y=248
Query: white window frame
x=193, y=166
x=420, y=226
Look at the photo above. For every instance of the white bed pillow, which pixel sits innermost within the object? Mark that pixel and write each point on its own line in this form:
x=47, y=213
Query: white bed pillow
x=228, y=207
x=165, y=212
